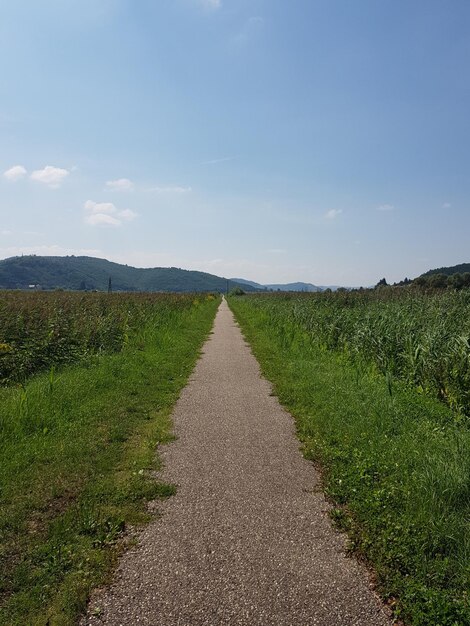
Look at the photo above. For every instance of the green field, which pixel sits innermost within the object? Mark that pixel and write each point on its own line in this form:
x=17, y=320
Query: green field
x=378, y=382
x=88, y=385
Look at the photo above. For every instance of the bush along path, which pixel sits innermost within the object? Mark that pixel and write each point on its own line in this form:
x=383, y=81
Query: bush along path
x=396, y=463
x=246, y=539
x=77, y=448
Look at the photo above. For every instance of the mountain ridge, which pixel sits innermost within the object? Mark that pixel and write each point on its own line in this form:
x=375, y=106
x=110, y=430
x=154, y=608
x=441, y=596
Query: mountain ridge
x=296, y=286
x=461, y=268
x=86, y=273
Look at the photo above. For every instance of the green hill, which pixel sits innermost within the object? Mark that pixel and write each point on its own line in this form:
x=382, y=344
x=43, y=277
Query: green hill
x=448, y=271
x=87, y=273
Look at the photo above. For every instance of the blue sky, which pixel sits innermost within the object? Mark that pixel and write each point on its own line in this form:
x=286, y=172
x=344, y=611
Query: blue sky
x=326, y=141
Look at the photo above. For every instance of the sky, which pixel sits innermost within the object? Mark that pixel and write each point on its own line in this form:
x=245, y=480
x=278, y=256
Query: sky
x=325, y=141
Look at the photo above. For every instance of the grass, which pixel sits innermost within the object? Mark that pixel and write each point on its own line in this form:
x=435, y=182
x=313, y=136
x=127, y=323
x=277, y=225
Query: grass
x=395, y=462
x=78, y=448
x=420, y=338
x=40, y=330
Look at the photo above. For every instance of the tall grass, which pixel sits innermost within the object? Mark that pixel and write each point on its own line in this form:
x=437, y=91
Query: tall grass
x=41, y=329
x=396, y=461
x=421, y=339
x=78, y=442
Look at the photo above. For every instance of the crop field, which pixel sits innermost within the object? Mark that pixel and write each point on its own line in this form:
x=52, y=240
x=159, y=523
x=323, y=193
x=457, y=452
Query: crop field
x=87, y=386
x=379, y=384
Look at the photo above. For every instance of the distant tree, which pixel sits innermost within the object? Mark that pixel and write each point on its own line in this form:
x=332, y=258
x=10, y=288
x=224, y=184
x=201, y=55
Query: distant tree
x=82, y=286
x=382, y=283
x=110, y=287
x=421, y=281
x=438, y=281
x=466, y=279
x=455, y=281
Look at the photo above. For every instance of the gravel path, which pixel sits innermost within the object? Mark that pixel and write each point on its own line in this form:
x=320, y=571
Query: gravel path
x=246, y=540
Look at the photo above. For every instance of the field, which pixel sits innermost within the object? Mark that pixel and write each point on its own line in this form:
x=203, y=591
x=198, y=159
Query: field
x=88, y=383
x=378, y=381
x=379, y=384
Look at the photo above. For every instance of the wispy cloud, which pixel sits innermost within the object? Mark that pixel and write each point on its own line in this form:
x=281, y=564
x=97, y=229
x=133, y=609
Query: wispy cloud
x=121, y=184
x=386, y=207
x=106, y=214
x=214, y=161
x=17, y=172
x=276, y=250
x=210, y=4
x=446, y=205
x=51, y=176
x=170, y=189
x=332, y=214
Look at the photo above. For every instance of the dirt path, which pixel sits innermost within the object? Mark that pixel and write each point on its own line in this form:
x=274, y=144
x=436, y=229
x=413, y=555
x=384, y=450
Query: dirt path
x=246, y=540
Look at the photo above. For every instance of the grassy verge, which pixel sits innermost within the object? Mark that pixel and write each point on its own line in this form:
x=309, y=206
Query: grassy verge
x=77, y=452
x=395, y=462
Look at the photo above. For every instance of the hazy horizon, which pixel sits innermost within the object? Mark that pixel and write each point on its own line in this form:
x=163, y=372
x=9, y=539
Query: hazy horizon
x=326, y=142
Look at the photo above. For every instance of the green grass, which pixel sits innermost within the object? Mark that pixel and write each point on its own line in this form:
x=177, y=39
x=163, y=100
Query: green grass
x=420, y=338
x=77, y=447
x=395, y=462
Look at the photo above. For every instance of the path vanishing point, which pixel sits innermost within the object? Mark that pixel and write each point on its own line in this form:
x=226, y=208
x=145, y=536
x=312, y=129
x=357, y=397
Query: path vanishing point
x=247, y=539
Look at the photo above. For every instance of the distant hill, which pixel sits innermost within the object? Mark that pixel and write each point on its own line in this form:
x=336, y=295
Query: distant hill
x=448, y=271
x=88, y=273
x=280, y=287
x=250, y=283
x=294, y=287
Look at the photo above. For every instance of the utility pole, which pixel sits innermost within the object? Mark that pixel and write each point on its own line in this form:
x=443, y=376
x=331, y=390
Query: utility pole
x=110, y=287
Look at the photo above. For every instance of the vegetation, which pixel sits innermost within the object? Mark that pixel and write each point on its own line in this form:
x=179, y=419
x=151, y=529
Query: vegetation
x=462, y=268
x=78, y=442
x=89, y=273
x=353, y=368
x=440, y=280
x=237, y=291
x=421, y=339
x=40, y=330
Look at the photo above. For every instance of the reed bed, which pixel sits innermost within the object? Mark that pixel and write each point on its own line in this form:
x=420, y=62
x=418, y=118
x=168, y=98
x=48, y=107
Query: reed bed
x=420, y=339
x=378, y=383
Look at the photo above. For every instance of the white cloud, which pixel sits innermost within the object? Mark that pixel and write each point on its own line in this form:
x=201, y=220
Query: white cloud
x=170, y=189
x=446, y=205
x=333, y=214
x=386, y=207
x=121, y=184
x=99, y=207
x=51, y=176
x=127, y=215
x=15, y=173
x=5, y=232
x=106, y=214
x=102, y=219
